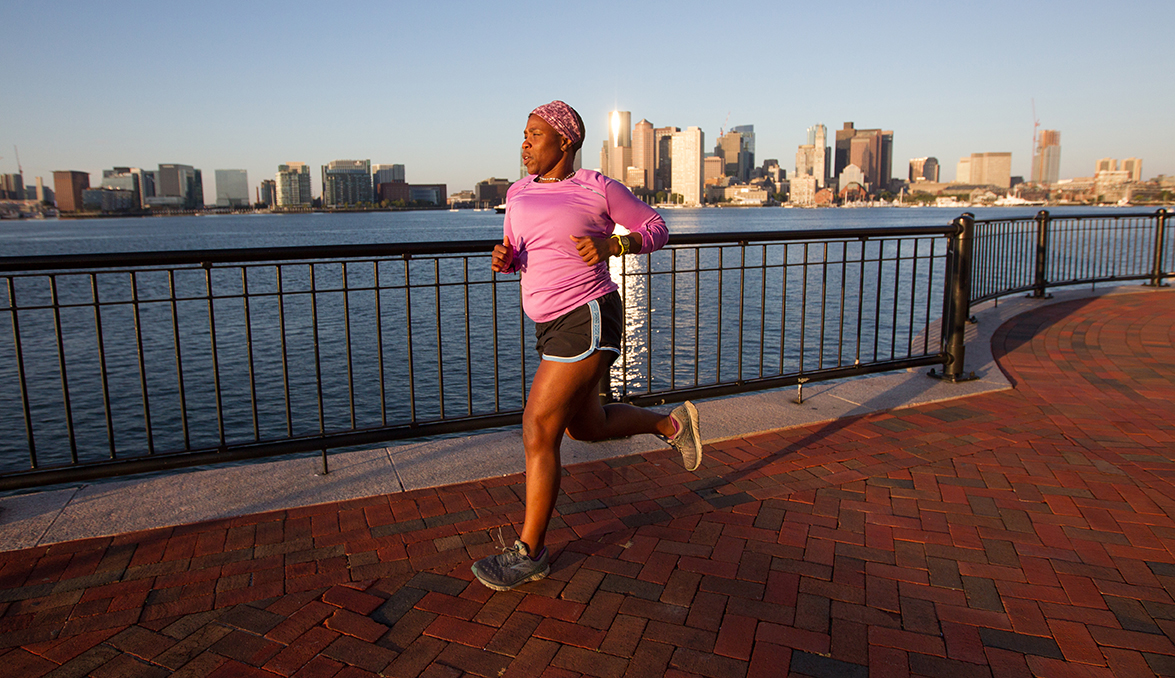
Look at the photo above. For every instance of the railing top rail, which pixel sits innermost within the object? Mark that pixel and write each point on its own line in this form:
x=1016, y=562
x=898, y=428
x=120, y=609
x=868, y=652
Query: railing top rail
x=380, y=251
x=1067, y=216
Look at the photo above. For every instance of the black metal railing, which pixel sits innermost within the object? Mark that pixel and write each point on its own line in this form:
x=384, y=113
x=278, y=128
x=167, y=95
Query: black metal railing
x=125, y=363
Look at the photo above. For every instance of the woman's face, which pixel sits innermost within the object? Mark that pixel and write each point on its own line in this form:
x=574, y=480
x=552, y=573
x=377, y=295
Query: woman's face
x=541, y=146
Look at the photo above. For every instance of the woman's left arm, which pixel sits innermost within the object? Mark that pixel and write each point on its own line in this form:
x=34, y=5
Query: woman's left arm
x=647, y=228
x=644, y=223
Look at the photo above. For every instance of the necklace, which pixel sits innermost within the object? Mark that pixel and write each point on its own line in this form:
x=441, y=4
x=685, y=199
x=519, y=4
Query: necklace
x=548, y=180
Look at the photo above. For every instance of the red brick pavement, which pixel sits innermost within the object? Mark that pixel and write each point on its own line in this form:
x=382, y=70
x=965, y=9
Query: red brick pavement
x=1027, y=532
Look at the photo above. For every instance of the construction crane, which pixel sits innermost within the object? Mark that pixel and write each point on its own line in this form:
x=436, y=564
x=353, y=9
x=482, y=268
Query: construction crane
x=1035, y=147
x=722, y=130
x=19, y=169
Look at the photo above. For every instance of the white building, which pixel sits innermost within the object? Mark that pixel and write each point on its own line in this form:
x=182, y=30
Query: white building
x=803, y=190
x=293, y=185
x=386, y=174
x=688, y=148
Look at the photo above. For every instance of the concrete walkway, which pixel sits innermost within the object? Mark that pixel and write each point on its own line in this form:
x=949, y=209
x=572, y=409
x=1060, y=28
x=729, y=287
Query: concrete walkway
x=885, y=527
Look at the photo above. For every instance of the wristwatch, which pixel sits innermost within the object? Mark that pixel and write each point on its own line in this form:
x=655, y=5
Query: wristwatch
x=625, y=244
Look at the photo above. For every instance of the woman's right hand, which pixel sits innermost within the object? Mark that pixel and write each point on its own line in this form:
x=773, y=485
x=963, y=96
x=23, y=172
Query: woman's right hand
x=503, y=256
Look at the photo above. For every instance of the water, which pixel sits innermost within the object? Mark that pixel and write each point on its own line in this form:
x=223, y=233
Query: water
x=92, y=236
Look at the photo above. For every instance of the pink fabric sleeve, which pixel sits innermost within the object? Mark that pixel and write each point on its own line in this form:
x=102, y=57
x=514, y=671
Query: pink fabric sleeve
x=630, y=212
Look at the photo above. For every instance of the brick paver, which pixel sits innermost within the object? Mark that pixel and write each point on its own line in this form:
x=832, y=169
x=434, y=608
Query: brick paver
x=1026, y=532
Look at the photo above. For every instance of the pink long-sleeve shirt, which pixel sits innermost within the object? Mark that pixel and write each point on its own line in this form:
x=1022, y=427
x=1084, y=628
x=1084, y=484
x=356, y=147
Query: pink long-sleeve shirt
x=542, y=217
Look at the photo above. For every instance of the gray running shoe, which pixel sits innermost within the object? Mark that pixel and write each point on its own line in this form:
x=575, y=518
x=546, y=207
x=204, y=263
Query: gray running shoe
x=511, y=567
x=688, y=440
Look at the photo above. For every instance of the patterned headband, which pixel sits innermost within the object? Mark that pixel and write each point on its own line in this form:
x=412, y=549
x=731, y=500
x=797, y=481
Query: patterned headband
x=563, y=118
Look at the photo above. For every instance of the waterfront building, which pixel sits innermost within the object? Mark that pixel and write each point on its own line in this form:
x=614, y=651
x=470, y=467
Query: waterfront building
x=140, y=181
x=1111, y=185
x=268, y=193
x=11, y=187
x=105, y=199
x=1106, y=165
x=434, y=194
x=1046, y=160
x=1133, y=166
x=68, y=185
x=643, y=154
x=871, y=150
x=180, y=186
x=849, y=176
x=924, y=169
x=461, y=198
x=393, y=192
x=122, y=179
x=616, y=155
x=986, y=169
x=663, y=158
x=293, y=185
x=386, y=174
x=490, y=192
x=803, y=190
x=232, y=188
x=346, y=182
x=687, y=164
x=399, y=191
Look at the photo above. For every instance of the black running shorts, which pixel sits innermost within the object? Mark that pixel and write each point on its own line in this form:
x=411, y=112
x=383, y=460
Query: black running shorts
x=582, y=331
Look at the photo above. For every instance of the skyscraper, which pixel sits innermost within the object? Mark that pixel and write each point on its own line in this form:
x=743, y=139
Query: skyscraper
x=925, y=169
x=818, y=138
x=293, y=185
x=616, y=155
x=663, y=160
x=346, y=182
x=268, y=193
x=643, y=153
x=812, y=157
x=232, y=188
x=1046, y=161
x=687, y=164
x=869, y=149
x=732, y=148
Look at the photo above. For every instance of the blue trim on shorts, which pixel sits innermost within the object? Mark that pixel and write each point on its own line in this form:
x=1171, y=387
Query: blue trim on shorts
x=597, y=325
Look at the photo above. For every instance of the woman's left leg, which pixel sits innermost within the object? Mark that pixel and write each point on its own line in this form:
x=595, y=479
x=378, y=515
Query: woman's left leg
x=557, y=391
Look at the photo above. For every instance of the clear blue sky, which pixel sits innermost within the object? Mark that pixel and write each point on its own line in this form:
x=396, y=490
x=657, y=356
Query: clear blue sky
x=444, y=87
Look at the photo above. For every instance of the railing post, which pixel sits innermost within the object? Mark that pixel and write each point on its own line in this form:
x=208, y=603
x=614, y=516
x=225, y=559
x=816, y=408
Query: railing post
x=958, y=302
x=1040, y=283
x=605, y=388
x=1160, y=242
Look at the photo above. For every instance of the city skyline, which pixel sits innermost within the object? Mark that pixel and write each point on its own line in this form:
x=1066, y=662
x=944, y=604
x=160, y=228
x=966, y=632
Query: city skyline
x=229, y=111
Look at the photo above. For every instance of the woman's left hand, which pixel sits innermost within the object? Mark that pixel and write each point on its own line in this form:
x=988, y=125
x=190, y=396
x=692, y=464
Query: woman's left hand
x=593, y=250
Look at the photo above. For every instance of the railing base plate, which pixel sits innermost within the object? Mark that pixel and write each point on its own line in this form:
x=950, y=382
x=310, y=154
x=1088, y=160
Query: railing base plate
x=934, y=374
